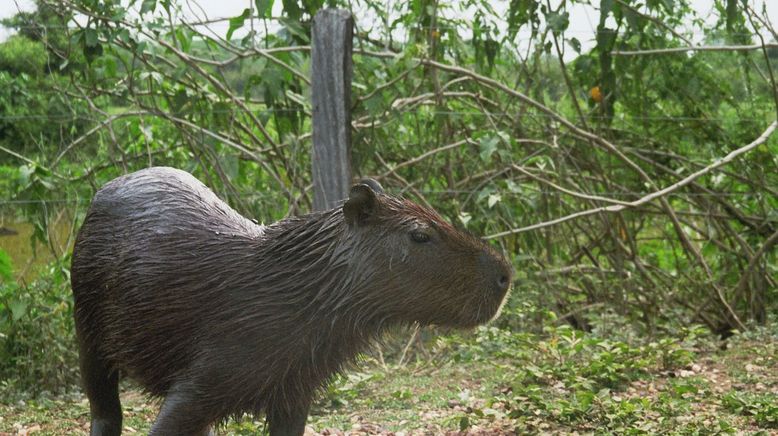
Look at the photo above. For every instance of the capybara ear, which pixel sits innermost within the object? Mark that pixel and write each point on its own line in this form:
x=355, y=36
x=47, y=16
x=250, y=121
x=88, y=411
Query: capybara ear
x=361, y=204
x=373, y=184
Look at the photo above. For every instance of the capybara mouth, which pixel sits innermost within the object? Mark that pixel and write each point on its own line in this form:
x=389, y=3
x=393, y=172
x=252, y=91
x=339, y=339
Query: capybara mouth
x=484, y=310
x=504, y=299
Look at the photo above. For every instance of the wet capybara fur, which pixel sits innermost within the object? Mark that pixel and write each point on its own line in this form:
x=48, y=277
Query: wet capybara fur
x=221, y=316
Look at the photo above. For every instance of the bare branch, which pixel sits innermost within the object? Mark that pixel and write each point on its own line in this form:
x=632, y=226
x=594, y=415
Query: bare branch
x=656, y=21
x=650, y=197
x=567, y=191
x=426, y=155
x=694, y=48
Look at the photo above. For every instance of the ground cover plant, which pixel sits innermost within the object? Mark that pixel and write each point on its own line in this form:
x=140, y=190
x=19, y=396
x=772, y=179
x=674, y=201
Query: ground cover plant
x=495, y=383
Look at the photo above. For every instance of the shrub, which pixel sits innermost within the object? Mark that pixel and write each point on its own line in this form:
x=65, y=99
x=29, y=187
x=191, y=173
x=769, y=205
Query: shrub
x=37, y=345
x=20, y=55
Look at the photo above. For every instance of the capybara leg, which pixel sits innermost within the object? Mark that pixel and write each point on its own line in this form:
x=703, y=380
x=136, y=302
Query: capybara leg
x=101, y=385
x=286, y=423
x=182, y=414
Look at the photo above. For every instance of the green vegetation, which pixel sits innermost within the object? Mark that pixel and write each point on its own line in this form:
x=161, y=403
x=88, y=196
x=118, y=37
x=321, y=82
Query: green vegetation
x=38, y=343
x=655, y=315
x=561, y=381
x=20, y=55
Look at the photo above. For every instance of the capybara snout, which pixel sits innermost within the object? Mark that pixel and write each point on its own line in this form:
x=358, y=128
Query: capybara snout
x=497, y=272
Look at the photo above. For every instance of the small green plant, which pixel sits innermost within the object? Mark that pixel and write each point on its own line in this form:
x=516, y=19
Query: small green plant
x=671, y=353
x=762, y=407
x=346, y=387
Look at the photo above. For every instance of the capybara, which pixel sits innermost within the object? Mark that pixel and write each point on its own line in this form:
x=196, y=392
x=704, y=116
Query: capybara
x=222, y=316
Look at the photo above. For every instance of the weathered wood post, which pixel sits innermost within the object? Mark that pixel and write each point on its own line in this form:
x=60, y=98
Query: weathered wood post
x=331, y=71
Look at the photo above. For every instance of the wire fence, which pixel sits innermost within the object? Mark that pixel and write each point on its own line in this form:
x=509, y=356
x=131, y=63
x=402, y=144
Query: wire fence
x=225, y=20
x=424, y=192
x=474, y=112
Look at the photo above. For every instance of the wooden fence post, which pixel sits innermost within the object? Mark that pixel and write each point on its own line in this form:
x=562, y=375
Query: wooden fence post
x=331, y=71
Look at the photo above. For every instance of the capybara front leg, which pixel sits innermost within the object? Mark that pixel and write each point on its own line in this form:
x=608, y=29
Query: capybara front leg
x=101, y=385
x=182, y=413
x=286, y=423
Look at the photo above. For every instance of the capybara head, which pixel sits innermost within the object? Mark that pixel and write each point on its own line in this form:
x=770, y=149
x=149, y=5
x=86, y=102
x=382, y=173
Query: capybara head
x=431, y=272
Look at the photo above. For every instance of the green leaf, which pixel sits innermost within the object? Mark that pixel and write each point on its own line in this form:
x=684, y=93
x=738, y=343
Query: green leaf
x=90, y=37
x=606, y=37
x=634, y=21
x=110, y=67
x=292, y=9
x=375, y=104
x=92, y=52
x=264, y=8
x=558, y=22
x=184, y=38
x=166, y=5
x=493, y=199
x=123, y=35
x=576, y=44
x=148, y=6
x=153, y=75
x=142, y=47
x=585, y=399
x=732, y=15
x=685, y=389
x=521, y=12
x=484, y=194
x=606, y=6
x=237, y=22
x=491, y=48
x=294, y=28
x=18, y=309
x=464, y=423
x=6, y=266
x=465, y=218
x=488, y=145
x=25, y=174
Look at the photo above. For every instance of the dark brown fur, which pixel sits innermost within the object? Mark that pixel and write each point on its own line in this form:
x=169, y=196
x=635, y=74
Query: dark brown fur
x=222, y=316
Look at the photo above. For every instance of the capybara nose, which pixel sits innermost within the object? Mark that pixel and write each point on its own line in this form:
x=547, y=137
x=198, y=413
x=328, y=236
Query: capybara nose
x=496, y=271
x=503, y=282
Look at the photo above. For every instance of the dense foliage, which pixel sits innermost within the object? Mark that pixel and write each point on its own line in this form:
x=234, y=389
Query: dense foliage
x=497, y=118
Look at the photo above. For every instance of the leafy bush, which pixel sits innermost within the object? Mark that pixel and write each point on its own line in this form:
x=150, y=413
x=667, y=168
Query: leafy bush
x=37, y=346
x=8, y=177
x=36, y=115
x=20, y=55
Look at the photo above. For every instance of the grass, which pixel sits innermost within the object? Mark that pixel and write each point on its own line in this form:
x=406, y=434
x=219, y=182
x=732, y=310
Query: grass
x=497, y=382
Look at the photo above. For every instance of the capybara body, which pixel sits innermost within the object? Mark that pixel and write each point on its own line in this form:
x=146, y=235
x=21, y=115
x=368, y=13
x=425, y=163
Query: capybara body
x=222, y=316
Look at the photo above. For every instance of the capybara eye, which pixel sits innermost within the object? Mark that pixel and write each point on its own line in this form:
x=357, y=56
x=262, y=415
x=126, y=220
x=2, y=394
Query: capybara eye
x=420, y=236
